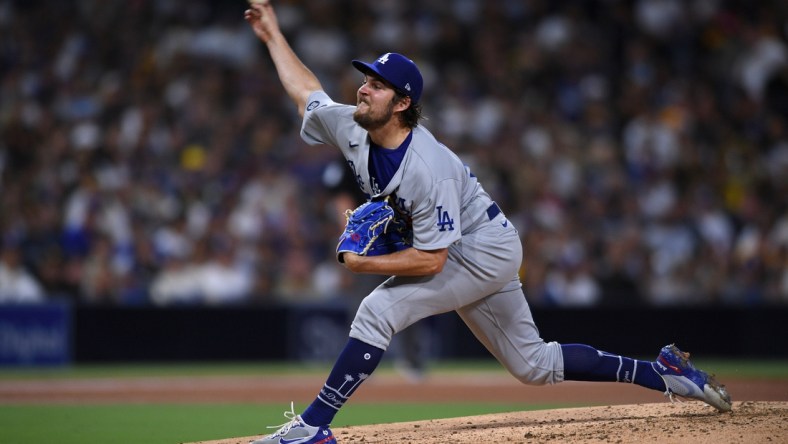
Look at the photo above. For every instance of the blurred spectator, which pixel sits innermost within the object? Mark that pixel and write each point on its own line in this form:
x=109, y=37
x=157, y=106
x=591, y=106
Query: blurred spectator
x=223, y=280
x=99, y=283
x=176, y=284
x=17, y=285
x=570, y=283
x=212, y=274
x=296, y=282
x=621, y=264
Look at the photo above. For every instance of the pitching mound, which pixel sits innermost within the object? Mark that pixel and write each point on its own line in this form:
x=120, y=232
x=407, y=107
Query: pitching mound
x=750, y=422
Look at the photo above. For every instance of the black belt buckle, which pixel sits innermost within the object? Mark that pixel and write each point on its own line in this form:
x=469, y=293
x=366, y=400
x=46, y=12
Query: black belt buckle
x=493, y=210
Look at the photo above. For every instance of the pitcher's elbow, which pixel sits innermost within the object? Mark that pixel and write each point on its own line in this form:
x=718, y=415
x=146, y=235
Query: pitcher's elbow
x=437, y=268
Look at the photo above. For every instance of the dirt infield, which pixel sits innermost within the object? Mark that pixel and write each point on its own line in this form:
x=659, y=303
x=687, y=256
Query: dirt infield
x=619, y=413
x=690, y=422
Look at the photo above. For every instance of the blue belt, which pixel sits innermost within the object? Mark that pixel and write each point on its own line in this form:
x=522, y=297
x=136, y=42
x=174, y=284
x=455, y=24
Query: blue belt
x=493, y=210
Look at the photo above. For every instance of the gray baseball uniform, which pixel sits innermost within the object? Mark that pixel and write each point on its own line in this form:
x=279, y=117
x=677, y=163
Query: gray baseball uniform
x=449, y=209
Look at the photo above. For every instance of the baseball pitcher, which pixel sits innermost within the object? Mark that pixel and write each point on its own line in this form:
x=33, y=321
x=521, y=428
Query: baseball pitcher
x=430, y=225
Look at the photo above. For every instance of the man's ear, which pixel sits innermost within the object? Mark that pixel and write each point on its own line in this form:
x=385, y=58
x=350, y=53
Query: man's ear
x=402, y=104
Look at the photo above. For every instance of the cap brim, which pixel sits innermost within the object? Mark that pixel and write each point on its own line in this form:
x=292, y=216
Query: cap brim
x=366, y=68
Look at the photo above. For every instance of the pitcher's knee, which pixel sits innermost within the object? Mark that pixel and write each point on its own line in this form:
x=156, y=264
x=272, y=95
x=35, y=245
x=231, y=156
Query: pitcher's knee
x=370, y=327
x=541, y=365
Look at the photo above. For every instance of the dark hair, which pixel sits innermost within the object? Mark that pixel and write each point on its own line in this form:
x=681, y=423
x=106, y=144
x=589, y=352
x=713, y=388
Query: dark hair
x=411, y=116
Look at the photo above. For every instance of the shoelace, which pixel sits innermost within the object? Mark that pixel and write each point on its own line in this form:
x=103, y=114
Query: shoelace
x=286, y=426
x=673, y=397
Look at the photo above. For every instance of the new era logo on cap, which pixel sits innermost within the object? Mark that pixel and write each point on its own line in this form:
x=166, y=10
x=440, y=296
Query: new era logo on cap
x=398, y=70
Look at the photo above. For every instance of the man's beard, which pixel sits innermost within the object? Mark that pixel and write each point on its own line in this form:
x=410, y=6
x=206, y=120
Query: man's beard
x=370, y=122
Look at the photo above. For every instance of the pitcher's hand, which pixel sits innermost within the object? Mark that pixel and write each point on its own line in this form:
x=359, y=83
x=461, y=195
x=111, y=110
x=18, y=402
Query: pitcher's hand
x=262, y=18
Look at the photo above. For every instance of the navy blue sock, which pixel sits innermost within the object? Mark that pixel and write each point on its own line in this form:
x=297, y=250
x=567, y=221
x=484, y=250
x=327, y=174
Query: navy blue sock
x=356, y=362
x=585, y=363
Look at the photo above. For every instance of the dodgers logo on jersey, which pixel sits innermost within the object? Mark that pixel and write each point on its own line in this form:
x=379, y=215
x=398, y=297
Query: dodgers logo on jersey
x=445, y=222
x=373, y=183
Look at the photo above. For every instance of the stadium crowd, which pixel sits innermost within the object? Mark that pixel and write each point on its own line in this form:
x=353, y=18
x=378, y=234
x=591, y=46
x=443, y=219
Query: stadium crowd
x=148, y=154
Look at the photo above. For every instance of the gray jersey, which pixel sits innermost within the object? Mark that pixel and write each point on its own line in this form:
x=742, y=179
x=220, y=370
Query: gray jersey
x=449, y=209
x=439, y=194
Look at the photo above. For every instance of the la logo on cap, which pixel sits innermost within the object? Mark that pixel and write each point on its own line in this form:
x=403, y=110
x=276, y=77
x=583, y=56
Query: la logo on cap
x=384, y=58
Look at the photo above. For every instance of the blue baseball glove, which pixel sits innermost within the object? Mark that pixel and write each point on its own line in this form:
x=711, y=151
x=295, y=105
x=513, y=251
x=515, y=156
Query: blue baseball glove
x=373, y=229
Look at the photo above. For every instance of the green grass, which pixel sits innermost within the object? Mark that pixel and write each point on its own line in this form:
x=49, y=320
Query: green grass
x=175, y=423
x=762, y=369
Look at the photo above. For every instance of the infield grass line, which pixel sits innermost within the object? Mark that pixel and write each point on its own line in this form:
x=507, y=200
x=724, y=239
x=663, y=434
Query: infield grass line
x=769, y=369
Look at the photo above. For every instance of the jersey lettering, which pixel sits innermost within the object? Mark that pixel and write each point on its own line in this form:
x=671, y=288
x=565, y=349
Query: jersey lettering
x=444, y=220
x=359, y=180
x=400, y=204
x=401, y=208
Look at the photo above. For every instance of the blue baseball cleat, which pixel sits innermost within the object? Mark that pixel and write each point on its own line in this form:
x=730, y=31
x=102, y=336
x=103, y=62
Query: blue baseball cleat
x=683, y=379
x=296, y=431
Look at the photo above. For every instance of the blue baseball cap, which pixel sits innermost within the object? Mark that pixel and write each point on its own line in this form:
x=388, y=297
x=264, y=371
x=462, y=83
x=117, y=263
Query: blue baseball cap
x=398, y=70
